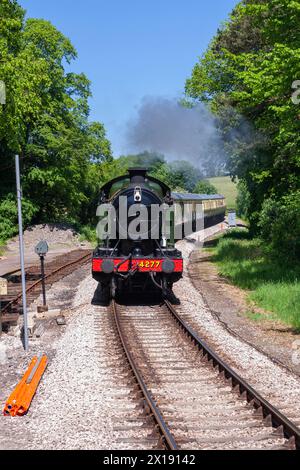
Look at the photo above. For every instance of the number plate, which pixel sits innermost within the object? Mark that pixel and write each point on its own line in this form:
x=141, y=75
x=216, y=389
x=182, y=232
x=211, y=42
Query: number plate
x=149, y=265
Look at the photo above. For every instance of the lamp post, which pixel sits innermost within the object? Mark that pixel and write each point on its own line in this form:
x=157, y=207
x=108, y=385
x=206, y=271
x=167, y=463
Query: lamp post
x=21, y=242
x=41, y=250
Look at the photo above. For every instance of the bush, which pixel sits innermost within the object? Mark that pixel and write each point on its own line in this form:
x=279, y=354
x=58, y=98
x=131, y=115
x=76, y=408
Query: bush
x=274, y=285
x=243, y=201
x=205, y=187
x=9, y=216
x=88, y=233
x=280, y=225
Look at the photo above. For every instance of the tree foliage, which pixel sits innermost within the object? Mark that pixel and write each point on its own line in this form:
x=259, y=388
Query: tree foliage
x=246, y=76
x=178, y=175
x=205, y=187
x=280, y=217
x=45, y=120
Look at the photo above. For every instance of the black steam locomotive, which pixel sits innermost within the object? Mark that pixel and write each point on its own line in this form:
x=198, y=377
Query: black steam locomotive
x=139, y=263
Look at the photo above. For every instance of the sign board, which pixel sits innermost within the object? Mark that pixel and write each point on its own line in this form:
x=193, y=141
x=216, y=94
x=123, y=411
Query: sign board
x=3, y=286
x=232, y=219
x=42, y=248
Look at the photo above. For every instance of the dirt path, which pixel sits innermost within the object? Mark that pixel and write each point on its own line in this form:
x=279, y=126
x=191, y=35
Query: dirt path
x=230, y=306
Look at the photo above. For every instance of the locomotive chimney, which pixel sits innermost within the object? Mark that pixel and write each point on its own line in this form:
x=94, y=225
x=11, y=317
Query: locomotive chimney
x=137, y=175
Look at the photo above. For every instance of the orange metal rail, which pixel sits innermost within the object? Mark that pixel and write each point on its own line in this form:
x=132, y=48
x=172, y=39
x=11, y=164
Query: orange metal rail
x=20, y=400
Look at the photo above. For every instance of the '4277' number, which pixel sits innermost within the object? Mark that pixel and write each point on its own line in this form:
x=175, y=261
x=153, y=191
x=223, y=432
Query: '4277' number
x=150, y=264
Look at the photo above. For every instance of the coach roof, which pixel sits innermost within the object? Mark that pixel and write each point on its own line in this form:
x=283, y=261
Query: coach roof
x=196, y=197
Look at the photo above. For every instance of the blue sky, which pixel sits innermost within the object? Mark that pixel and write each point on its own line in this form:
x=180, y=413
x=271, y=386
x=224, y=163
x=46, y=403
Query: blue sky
x=132, y=49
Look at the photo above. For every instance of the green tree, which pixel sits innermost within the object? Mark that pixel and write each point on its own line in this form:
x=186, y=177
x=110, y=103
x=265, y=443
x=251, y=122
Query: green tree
x=179, y=174
x=205, y=187
x=46, y=121
x=246, y=76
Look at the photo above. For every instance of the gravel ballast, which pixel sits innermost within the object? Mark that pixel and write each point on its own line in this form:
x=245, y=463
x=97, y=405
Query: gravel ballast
x=84, y=401
x=276, y=384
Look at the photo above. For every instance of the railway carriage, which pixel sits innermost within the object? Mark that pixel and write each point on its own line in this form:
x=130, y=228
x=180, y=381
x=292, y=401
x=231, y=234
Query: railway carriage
x=143, y=263
x=210, y=209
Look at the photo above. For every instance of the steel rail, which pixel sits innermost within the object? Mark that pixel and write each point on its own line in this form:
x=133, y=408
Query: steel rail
x=48, y=276
x=10, y=273
x=269, y=412
x=168, y=438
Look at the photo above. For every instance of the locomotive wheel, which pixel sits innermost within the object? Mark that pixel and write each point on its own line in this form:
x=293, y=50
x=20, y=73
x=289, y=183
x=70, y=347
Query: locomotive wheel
x=168, y=293
x=103, y=295
x=113, y=288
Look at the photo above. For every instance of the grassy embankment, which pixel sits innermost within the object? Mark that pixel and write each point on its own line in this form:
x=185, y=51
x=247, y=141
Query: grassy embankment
x=274, y=286
x=226, y=187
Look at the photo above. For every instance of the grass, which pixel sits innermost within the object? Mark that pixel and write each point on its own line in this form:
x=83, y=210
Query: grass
x=254, y=316
x=273, y=285
x=226, y=187
x=88, y=233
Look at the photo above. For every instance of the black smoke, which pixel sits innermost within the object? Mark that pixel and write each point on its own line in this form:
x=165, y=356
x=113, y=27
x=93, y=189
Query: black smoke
x=179, y=132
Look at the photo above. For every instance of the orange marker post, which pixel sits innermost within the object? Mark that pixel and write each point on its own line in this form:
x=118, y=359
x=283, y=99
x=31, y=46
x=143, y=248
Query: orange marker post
x=20, y=400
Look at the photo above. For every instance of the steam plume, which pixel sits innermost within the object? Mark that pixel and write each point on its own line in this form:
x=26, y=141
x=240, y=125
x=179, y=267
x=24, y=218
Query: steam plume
x=164, y=126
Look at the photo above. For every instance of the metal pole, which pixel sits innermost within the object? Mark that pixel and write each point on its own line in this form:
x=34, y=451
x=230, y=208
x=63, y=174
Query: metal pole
x=21, y=241
x=43, y=279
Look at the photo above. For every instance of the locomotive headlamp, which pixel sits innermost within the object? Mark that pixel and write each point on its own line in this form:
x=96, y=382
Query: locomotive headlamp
x=168, y=266
x=108, y=266
x=138, y=194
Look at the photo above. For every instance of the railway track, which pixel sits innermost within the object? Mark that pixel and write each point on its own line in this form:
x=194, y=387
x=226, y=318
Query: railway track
x=194, y=398
x=124, y=408
x=54, y=270
x=166, y=438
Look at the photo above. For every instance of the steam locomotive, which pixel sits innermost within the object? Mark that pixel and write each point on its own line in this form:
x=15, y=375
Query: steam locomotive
x=141, y=262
